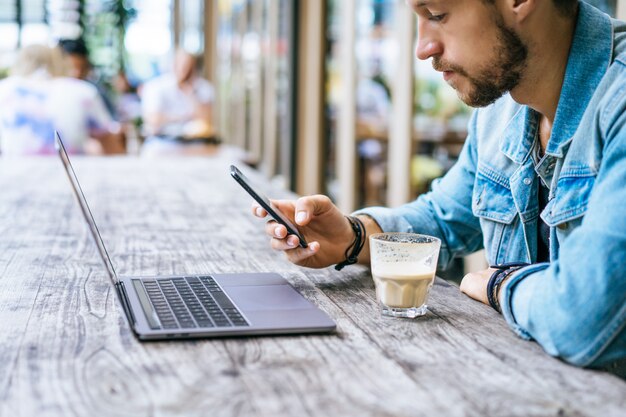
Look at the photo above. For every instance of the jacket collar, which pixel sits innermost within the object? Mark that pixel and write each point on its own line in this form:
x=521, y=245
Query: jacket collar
x=589, y=59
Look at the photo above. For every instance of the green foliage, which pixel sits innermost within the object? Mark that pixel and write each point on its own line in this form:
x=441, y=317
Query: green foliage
x=105, y=33
x=434, y=98
x=123, y=14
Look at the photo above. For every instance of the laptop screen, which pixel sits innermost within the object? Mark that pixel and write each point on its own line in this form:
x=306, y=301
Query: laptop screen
x=84, y=208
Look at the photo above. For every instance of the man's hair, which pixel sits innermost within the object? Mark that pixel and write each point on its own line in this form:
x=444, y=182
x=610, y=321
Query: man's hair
x=74, y=47
x=33, y=58
x=567, y=8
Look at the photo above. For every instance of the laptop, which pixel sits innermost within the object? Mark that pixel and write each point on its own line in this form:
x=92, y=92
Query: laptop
x=203, y=305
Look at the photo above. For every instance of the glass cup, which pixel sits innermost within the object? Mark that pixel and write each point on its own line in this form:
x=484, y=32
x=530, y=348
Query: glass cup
x=403, y=268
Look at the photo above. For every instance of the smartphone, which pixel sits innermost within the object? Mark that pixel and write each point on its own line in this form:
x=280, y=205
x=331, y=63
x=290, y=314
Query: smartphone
x=266, y=204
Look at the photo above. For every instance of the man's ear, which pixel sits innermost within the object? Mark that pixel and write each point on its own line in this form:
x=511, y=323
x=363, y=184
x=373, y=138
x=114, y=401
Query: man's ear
x=521, y=9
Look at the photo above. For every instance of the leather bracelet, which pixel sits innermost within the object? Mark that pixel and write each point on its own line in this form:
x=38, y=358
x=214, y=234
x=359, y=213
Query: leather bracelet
x=498, y=284
x=493, y=302
x=497, y=279
x=355, y=248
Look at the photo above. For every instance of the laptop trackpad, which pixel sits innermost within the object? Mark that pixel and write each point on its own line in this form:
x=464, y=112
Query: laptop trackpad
x=267, y=297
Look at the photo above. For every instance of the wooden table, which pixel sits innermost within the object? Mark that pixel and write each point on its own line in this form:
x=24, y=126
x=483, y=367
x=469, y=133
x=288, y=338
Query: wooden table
x=66, y=349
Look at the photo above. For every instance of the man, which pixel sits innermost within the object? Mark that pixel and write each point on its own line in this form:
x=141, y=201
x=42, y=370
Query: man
x=541, y=179
x=178, y=104
x=80, y=68
x=40, y=99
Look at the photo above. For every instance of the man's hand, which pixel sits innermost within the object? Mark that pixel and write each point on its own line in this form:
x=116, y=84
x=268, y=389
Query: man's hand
x=474, y=284
x=321, y=223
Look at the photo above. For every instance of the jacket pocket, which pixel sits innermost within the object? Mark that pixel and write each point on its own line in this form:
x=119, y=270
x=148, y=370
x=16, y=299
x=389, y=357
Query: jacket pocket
x=492, y=203
x=569, y=205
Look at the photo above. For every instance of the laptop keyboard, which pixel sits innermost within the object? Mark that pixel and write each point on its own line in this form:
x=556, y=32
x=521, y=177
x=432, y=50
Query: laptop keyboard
x=191, y=302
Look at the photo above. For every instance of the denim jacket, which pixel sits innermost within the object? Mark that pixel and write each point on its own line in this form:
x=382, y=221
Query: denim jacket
x=575, y=305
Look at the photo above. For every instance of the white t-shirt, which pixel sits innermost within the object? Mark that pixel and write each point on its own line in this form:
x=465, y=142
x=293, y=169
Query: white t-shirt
x=32, y=108
x=162, y=95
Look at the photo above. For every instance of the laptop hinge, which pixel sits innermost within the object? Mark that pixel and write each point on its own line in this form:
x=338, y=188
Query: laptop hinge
x=121, y=291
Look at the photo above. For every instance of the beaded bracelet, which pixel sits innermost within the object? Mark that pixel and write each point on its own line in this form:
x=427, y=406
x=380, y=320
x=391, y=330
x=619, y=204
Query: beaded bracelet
x=357, y=244
x=497, y=278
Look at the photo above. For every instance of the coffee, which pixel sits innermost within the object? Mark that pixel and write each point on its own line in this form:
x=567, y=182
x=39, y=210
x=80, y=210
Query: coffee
x=403, y=268
x=403, y=284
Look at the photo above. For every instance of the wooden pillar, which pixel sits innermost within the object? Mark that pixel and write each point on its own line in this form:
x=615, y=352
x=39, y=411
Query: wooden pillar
x=310, y=118
x=400, y=126
x=256, y=91
x=346, y=116
x=209, y=54
x=238, y=89
x=288, y=127
x=176, y=22
x=270, y=128
x=210, y=25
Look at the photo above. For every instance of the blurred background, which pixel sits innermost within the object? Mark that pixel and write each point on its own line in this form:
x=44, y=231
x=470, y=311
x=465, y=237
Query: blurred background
x=322, y=96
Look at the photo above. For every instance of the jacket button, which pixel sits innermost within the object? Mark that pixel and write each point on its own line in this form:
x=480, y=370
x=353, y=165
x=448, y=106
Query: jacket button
x=563, y=226
x=527, y=181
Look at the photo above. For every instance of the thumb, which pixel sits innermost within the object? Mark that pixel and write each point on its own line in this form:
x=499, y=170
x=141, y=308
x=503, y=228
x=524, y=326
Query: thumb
x=311, y=206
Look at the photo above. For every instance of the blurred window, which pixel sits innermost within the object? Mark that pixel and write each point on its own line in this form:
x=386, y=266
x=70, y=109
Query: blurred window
x=192, y=26
x=8, y=11
x=149, y=38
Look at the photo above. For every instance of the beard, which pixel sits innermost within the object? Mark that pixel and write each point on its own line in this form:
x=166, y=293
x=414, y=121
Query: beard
x=496, y=78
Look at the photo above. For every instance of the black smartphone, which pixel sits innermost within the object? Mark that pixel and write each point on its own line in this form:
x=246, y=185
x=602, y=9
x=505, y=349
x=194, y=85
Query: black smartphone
x=266, y=204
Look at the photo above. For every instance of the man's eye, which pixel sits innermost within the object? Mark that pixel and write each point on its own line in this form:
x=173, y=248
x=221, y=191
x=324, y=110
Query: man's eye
x=436, y=17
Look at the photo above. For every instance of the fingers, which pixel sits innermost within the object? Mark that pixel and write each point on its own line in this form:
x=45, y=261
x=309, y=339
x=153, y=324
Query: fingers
x=295, y=254
x=277, y=230
x=302, y=212
x=307, y=208
x=284, y=206
x=282, y=244
x=298, y=256
x=258, y=211
x=311, y=206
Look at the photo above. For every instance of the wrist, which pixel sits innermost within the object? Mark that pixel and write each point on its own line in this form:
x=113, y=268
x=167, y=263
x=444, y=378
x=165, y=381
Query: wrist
x=497, y=281
x=352, y=252
x=499, y=291
x=371, y=227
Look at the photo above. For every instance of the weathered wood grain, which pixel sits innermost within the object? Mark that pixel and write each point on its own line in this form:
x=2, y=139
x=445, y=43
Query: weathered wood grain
x=66, y=349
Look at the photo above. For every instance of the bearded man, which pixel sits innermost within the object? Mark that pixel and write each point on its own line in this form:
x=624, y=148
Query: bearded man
x=541, y=179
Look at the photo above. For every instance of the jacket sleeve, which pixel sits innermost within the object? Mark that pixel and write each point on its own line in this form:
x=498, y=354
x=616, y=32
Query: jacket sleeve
x=575, y=307
x=444, y=212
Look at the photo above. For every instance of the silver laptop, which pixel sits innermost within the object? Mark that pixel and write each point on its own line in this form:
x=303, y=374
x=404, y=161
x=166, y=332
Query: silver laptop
x=204, y=305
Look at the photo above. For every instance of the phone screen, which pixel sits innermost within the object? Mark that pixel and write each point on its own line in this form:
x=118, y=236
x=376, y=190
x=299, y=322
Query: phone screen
x=266, y=204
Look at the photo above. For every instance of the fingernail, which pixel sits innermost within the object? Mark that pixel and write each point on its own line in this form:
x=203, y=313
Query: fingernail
x=301, y=216
x=259, y=211
x=276, y=232
x=290, y=242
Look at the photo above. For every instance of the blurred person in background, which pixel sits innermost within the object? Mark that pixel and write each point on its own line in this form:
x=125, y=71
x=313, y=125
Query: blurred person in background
x=127, y=102
x=177, y=107
x=37, y=99
x=80, y=67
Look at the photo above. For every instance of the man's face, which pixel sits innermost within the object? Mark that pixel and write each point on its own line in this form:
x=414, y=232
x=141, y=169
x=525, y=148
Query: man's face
x=184, y=67
x=479, y=56
x=79, y=66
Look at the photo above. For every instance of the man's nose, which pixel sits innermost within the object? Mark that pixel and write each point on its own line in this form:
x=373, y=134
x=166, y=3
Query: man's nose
x=428, y=45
